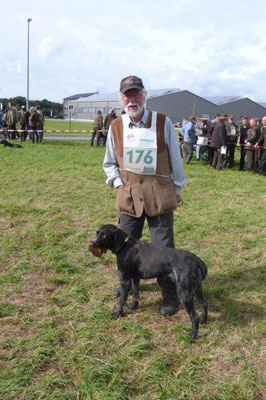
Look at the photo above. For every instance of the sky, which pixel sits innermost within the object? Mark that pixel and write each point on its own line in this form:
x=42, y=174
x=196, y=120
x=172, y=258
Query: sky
x=208, y=47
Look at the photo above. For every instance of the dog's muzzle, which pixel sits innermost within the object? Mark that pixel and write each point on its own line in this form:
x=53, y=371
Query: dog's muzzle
x=96, y=251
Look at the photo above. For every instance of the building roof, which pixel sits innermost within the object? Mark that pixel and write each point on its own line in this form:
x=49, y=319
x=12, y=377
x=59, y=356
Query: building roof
x=114, y=96
x=262, y=104
x=218, y=100
x=78, y=96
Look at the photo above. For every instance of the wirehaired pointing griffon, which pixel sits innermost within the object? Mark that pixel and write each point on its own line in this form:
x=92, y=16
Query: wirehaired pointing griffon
x=138, y=260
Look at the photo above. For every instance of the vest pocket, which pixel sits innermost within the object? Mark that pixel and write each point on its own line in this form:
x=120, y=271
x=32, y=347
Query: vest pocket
x=124, y=201
x=165, y=195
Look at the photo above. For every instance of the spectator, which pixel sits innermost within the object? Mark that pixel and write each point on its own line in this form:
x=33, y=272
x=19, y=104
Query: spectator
x=262, y=142
x=189, y=134
x=242, y=140
x=218, y=143
x=22, y=123
x=97, y=127
x=253, y=136
x=33, y=124
x=12, y=119
x=232, y=136
x=210, y=131
x=107, y=122
x=204, y=128
x=40, y=123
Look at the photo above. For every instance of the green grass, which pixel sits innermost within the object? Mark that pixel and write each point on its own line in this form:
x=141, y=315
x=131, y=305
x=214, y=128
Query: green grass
x=57, y=339
x=63, y=125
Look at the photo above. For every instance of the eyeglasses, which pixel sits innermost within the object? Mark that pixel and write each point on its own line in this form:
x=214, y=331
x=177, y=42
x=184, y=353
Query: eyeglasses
x=132, y=95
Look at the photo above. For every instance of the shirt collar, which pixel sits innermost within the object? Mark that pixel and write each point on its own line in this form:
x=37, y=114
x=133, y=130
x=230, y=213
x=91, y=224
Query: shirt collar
x=143, y=119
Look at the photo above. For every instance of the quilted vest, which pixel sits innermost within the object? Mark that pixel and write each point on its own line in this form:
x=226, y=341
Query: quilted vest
x=154, y=194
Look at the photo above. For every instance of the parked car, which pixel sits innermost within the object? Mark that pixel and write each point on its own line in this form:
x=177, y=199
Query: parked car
x=59, y=116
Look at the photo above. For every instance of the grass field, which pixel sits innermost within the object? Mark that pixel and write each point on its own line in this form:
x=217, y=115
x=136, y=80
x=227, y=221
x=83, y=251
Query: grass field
x=57, y=125
x=57, y=339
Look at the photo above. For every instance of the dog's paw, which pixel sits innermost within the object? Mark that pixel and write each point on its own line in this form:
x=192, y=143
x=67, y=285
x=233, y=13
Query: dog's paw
x=134, y=305
x=116, y=315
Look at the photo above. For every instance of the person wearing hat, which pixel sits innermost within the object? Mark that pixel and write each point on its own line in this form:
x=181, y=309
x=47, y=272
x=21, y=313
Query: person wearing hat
x=22, y=123
x=33, y=124
x=143, y=162
x=219, y=142
x=253, y=136
x=97, y=128
x=40, y=123
x=111, y=116
x=12, y=119
x=262, y=142
x=242, y=140
x=232, y=137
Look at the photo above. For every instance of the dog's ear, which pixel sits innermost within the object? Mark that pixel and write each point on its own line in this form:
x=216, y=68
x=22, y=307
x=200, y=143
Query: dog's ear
x=119, y=240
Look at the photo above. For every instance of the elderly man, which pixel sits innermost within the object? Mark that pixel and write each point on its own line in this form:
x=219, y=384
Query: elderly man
x=218, y=142
x=143, y=163
x=232, y=137
x=253, y=136
x=262, y=142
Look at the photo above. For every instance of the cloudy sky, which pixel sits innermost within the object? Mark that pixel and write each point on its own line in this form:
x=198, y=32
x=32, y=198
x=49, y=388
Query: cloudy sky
x=209, y=47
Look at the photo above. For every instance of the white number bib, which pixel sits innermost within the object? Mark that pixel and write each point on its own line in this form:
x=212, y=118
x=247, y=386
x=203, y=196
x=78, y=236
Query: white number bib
x=140, y=148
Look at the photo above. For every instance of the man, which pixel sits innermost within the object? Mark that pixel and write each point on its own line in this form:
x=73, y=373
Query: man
x=253, y=135
x=33, y=124
x=40, y=123
x=111, y=116
x=22, y=123
x=262, y=142
x=232, y=136
x=218, y=142
x=189, y=134
x=242, y=140
x=204, y=129
x=143, y=163
x=12, y=119
x=97, y=127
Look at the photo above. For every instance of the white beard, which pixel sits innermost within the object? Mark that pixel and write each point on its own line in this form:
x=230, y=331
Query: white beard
x=134, y=113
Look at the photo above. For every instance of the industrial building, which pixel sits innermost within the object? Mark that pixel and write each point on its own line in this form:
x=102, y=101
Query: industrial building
x=178, y=104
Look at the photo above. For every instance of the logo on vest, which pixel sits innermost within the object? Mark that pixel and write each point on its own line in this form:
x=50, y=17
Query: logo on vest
x=131, y=137
x=143, y=140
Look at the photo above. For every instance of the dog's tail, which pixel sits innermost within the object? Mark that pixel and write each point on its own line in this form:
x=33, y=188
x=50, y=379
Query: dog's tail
x=203, y=268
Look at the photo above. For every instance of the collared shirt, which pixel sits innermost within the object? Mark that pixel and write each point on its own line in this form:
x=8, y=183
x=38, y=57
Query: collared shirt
x=110, y=163
x=188, y=132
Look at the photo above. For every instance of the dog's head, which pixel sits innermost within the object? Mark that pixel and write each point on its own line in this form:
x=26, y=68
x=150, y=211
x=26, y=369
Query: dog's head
x=108, y=237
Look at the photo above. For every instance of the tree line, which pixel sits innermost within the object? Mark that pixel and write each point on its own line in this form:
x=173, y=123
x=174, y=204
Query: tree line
x=46, y=105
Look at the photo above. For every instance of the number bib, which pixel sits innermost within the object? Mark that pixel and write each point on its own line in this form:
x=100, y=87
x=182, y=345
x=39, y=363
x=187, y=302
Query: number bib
x=140, y=148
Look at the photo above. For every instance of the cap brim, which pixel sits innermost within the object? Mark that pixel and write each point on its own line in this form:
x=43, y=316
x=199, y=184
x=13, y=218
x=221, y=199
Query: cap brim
x=125, y=89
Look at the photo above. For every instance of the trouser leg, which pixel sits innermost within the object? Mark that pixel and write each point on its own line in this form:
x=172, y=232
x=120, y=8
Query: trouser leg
x=242, y=158
x=210, y=155
x=132, y=226
x=188, y=152
x=162, y=235
x=250, y=160
x=231, y=155
x=215, y=158
x=93, y=136
x=263, y=163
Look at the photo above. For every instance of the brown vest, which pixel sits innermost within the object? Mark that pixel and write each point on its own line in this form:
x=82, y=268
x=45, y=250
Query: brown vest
x=154, y=194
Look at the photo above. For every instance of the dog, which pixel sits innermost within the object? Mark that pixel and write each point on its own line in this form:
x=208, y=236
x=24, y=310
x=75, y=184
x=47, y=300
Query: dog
x=138, y=260
x=8, y=144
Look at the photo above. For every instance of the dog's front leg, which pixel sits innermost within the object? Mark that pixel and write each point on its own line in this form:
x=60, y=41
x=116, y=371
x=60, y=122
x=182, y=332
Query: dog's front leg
x=124, y=289
x=135, y=294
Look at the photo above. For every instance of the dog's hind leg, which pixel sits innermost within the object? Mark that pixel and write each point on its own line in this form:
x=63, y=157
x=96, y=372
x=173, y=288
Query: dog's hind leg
x=135, y=294
x=203, y=304
x=187, y=301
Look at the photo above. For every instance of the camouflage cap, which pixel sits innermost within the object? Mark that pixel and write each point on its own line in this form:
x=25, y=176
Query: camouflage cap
x=131, y=82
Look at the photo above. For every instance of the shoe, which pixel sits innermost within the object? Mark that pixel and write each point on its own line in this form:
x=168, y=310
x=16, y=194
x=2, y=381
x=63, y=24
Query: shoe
x=168, y=309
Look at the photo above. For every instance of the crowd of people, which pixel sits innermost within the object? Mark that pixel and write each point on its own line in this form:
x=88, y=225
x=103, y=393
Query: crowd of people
x=101, y=126
x=23, y=123
x=220, y=138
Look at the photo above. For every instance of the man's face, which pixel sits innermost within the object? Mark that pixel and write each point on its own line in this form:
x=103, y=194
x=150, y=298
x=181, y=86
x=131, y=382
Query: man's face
x=245, y=121
x=253, y=122
x=264, y=121
x=231, y=120
x=133, y=101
